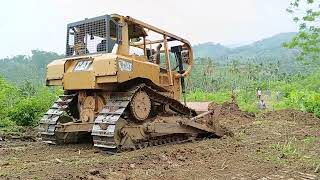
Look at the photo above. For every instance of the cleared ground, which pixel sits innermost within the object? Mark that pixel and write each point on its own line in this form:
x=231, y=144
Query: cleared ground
x=277, y=145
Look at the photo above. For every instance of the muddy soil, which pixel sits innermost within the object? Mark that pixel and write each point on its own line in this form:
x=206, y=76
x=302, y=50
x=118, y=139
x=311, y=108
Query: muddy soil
x=275, y=145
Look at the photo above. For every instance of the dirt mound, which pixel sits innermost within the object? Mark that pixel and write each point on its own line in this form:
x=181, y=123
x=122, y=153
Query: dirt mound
x=295, y=123
x=231, y=116
x=292, y=115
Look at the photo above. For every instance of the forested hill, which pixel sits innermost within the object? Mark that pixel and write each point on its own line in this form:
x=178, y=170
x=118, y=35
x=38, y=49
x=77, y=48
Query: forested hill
x=19, y=69
x=269, y=48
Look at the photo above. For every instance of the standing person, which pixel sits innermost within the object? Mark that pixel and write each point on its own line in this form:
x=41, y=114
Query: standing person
x=278, y=96
x=259, y=93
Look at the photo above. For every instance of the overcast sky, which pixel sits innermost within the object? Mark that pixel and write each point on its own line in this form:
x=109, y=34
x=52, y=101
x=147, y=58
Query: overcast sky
x=41, y=24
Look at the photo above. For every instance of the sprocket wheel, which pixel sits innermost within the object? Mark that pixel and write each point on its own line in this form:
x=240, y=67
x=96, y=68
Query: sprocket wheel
x=140, y=106
x=118, y=136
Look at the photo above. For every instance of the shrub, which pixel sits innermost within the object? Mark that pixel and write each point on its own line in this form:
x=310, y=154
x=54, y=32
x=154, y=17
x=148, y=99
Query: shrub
x=28, y=111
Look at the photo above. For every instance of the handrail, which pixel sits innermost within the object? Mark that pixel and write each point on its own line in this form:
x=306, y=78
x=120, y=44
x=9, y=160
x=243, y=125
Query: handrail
x=167, y=34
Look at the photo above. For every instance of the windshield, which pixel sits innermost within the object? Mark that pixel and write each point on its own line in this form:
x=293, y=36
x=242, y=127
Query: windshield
x=91, y=36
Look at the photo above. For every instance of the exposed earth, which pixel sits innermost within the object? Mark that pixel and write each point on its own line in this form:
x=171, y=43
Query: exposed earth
x=275, y=145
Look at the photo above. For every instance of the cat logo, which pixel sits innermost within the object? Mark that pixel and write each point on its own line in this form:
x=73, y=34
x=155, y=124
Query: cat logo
x=82, y=66
x=125, y=65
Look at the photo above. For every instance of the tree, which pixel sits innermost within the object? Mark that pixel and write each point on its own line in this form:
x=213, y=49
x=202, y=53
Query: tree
x=306, y=13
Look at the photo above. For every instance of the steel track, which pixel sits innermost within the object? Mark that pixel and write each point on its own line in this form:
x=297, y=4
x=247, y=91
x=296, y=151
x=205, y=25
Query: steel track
x=50, y=120
x=105, y=124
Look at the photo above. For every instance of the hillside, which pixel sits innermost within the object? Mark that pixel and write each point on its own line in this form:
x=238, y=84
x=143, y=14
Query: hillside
x=210, y=49
x=21, y=68
x=265, y=48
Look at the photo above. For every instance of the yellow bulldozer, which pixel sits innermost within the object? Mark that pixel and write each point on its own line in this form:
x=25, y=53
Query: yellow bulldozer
x=123, y=80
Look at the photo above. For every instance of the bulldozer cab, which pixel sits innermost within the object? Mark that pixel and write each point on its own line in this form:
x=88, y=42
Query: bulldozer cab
x=132, y=38
x=90, y=36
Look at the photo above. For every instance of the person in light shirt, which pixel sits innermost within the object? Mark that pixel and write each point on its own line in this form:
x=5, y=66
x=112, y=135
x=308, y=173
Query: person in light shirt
x=259, y=93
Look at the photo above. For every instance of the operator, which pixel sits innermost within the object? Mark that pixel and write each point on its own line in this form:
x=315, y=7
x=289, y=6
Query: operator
x=79, y=48
x=102, y=46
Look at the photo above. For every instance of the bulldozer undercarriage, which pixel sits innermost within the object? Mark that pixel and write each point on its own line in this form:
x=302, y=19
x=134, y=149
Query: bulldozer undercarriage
x=129, y=120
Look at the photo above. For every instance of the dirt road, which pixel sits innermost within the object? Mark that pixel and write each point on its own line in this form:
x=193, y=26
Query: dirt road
x=277, y=145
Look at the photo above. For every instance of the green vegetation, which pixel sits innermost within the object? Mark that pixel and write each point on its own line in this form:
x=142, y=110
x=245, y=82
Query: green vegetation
x=288, y=148
x=23, y=96
x=307, y=15
x=297, y=88
x=23, y=105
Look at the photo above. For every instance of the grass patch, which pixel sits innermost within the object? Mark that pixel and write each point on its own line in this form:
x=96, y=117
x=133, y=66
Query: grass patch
x=287, y=149
x=310, y=140
x=9, y=127
x=294, y=151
